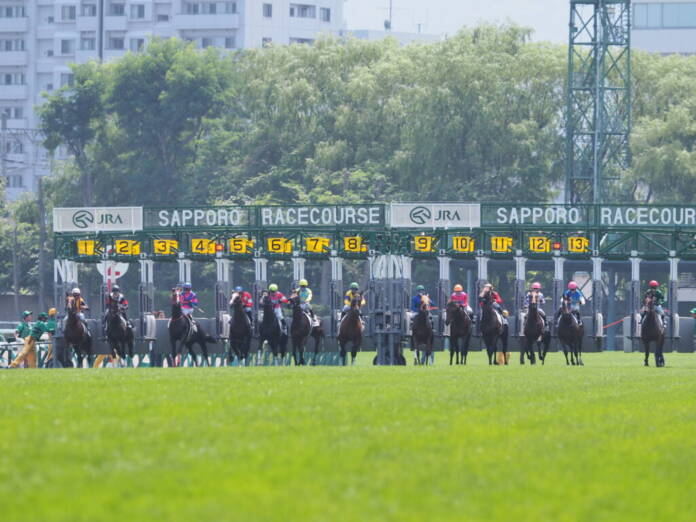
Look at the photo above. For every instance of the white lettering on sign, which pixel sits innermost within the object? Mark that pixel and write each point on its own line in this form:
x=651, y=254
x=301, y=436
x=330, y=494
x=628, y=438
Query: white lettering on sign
x=321, y=216
x=98, y=219
x=435, y=215
x=553, y=215
x=647, y=216
x=200, y=217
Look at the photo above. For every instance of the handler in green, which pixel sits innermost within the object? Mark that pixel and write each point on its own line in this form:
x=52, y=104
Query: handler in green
x=29, y=350
x=24, y=328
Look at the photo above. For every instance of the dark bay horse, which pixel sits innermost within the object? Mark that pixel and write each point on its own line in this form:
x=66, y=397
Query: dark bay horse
x=75, y=332
x=570, y=334
x=422, y=332
x=535, y=333
x=491, y=326
x=652, y=331
x=461, y=328
x=183, y=332
x=301, y=330
x=350, y=330
x=270, y=331
x=118, y=333
x=240, y=331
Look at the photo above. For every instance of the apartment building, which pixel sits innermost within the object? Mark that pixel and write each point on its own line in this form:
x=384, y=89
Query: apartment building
x=39, y=39
x=665, y=27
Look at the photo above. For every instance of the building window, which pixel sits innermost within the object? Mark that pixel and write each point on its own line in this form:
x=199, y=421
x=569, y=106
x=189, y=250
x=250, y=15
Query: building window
x=230, y=42
x=679, y=15
x=308, y=41
x=162, y=17
x=12, y=112
x=67, y=79
x=14, y=181
x=325, y=14
x=67, y=46
x=266, y=41
x=116, y=43
x=49, y=87
x=231, y=7
x=207, y=42
x=137, y=44
x=137, y=11
x=12, y=11
x=14, y=44
x=117, y=10
x=670, y=15
x=88, y=43
x=88, y=10
x=268, y=10
x=303, y=11
x=13, y=79
x=14, y=147
x=67, y=12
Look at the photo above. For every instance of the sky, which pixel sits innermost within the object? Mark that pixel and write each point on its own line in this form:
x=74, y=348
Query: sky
x=548, y=18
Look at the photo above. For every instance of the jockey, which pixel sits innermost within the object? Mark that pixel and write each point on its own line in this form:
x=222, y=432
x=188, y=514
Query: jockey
x=247, y=301
x=416, y=300
x=116, y=297
x=277, y=299
x=81, y=306
x=189, y=299
x=348, y=298
x=541, y=301
x=658, y=298
x=497, y=302
x=460, y=296
x=305, y=295
x=574, y=294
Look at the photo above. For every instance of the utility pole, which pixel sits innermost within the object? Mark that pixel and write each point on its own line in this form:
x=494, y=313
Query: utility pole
x=42, y=242
x=3, y=133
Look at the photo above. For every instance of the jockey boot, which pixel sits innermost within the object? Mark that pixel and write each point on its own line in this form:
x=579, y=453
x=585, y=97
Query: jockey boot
x=284, y=326
x=248, y=314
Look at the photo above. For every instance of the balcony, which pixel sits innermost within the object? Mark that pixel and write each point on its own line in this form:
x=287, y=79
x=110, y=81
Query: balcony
x=115, y=23
x=17, y=123
x=205, y=21
x=13, y=92
x=14, y=25
x=87, y=23
x=14, y=58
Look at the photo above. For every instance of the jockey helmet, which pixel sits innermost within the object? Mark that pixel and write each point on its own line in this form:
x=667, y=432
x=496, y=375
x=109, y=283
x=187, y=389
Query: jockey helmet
x=186, y=286
x=303, y=282
x=238, y=288
x=354, y=286
x=273, y=287
x=52, y=311
x=115, y=288
x=572, y=285
x=488, y=285
x=26, y=313
x=76, y=291
x=653, y=284
x=420, y=288
x=458, y=288
x=536, y=285
x=43, y=316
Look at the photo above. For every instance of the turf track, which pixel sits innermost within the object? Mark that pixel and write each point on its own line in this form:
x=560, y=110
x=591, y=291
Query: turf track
x=608, y=441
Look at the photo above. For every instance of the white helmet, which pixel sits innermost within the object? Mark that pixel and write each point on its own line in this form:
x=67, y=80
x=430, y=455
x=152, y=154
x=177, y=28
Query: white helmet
x=75, y=290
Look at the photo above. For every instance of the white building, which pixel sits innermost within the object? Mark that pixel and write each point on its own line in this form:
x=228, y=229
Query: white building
x=403, y=38
x=664, y=26
x=40, y=38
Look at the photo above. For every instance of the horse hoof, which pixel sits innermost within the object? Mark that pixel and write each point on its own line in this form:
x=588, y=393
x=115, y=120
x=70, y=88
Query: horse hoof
x=646, y=363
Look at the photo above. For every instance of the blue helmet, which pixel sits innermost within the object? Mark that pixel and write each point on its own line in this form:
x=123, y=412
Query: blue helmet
x=238, y=288
x=186, y=286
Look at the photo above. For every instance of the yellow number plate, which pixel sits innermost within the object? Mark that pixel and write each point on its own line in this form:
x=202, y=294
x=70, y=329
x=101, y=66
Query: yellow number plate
x=354, y=244
x=423, y=243
x=279, y=245
x=203, y=246
x=241, y=245
x=501, y=244
x=317, y=245
x=127, y=247
x=463, y=244
x=539, y=244
x=578, y=245
x=165, y=247
x=87, y=247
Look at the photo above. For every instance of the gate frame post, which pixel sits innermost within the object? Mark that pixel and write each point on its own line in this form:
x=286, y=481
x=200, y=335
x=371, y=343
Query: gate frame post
x=558, y=283
x=298, y=269
x=673, y=300
x=259, y=286
x=597, y=296
x=336, y=290
x=443, y=285
x=223, y=289
x=634, y=302
x=519, y=290
x=146, y=291
x=481, y=279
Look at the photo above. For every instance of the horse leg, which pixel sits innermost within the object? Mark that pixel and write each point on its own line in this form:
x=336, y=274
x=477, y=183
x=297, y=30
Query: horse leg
x=565, y=353
x=204, y=349
x=453, y=348
x=354, y=351
x=646, y=347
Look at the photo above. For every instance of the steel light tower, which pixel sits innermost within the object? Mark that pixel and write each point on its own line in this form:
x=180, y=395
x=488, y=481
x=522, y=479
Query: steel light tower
x=598, y=119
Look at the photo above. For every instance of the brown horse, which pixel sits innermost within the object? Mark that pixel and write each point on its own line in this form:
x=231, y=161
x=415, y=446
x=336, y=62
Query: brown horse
x=570, y=334
x=652, y=331
x=350, y=330
x=422, y=332
x=75, y=333
x=301, y=330
x=461, y=328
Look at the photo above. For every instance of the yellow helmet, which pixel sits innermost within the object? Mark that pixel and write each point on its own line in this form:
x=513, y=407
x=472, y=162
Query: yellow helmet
x=458, y=288
x=303, y=282
x=52, y=311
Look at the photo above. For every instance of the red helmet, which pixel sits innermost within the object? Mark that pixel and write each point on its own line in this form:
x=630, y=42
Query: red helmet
x=536, y=285
x=572, y=285
x=653, y=284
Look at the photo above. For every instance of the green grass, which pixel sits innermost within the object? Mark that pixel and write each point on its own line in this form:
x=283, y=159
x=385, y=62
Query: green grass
x=609, y=441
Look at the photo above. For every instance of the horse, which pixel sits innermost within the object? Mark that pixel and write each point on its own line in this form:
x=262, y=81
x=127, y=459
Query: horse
x=461, y=327
x=119, y=334
x=534, y=332
x=350, y=330
x=301, y=330
x=240, y=331
x=491, y=326
x=652, y=330
x=75, y=333
x=184, y=332
x=570, y=333
x=422, y=331
x=271, y=331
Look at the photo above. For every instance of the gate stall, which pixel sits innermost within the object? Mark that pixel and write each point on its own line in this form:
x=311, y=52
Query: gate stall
x=388, y=238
